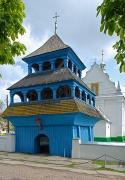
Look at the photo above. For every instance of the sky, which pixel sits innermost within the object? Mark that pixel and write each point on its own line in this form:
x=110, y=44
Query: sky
x=78, y=27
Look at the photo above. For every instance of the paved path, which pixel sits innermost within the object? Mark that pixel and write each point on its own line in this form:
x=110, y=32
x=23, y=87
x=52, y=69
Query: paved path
x=22, y=172
x=17, y=166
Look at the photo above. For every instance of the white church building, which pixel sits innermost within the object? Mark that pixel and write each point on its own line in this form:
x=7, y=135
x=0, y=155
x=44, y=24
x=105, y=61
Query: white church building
x=110, y=101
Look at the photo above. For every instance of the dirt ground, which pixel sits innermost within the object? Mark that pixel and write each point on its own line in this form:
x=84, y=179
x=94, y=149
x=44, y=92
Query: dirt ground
x=19, y=166
x=22, y=172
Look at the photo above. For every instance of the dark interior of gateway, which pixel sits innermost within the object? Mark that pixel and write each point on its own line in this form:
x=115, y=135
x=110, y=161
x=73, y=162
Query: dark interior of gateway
x=42, y=144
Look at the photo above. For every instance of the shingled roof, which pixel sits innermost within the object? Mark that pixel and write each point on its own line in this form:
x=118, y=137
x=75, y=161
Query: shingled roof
x=46, y=78
x=57, y=107
x=54, y=43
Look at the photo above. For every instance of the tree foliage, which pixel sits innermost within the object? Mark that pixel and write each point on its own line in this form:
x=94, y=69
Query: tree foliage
x=11, y=19
x=113, y=22
x=3, y=125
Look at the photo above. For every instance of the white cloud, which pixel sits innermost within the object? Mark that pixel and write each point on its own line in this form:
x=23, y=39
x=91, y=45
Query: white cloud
x=11, y=74
x=30, y=42
x=109, y=51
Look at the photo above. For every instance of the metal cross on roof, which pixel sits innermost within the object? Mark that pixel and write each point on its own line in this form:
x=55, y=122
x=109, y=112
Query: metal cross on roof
x=102, y=56
x=56, y=18
x=102, y=65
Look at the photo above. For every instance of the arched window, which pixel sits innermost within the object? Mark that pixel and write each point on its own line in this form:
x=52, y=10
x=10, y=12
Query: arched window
x=35, y=68
x=79, y=73
x=63, y=91
x=93, y=101
x=46, y=66
x=74, y=69
x=32, y=95
x=88, y=99
x=18, y=97
x=77, y=92
x=83, y=96
x=47, y=93
x=70, y=64
x=59, y=63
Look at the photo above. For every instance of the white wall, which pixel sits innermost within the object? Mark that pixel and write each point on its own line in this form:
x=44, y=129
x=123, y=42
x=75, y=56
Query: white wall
x=109, y=101
x=7, y=143
x=108, y=129
x=95, y=150
x=103, y=127
x=112, y=108
x=123, y=117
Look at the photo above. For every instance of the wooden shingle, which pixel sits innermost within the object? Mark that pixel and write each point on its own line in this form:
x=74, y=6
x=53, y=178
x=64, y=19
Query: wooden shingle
x=54, y=43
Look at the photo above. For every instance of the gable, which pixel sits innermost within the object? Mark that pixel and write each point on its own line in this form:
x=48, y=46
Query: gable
x=101, y=79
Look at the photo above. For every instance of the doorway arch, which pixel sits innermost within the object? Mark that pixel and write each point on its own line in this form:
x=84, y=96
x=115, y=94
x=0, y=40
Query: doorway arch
x=42, y=143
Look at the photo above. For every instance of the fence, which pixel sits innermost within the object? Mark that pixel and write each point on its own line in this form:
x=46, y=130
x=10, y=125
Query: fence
x=94, y=150
x=7, y=143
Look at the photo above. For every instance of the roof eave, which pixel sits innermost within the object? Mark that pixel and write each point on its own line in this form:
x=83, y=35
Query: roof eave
x=82, y=64
x=26, y=59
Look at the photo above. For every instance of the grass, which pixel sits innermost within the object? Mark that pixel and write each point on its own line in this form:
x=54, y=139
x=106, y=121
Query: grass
x=71, y=165
x=110, y=169
x=102, y=162
x=3, y=134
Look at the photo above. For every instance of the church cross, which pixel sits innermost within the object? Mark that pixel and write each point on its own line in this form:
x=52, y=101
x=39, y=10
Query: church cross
x=56, y=18
x=102, y=56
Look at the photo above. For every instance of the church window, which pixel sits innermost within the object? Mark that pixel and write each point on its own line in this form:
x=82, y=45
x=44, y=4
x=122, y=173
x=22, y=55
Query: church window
x=70, y=64
x=32, y=95
x=77, y=92
x=83, y=96
x=59, y=63
x=95, y=88
x=74, y=69
x=63, y=91
x=35, y=68
x=47, y=93
x=46, y=66
x=18, y=97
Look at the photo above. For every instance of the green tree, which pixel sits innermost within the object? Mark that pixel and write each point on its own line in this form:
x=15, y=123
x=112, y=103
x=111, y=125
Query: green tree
x=113, y=22
x=11, y=19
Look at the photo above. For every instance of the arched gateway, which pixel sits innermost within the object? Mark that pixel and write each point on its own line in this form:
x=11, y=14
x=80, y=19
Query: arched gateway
x=42, y=144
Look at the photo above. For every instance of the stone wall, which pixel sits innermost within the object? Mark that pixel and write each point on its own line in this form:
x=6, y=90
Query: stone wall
x=94, y=150
x=7, y=143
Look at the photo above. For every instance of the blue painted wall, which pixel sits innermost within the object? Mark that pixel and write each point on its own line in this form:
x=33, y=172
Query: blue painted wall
x=60, y=129
x=59, y=144
x=51, y=56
